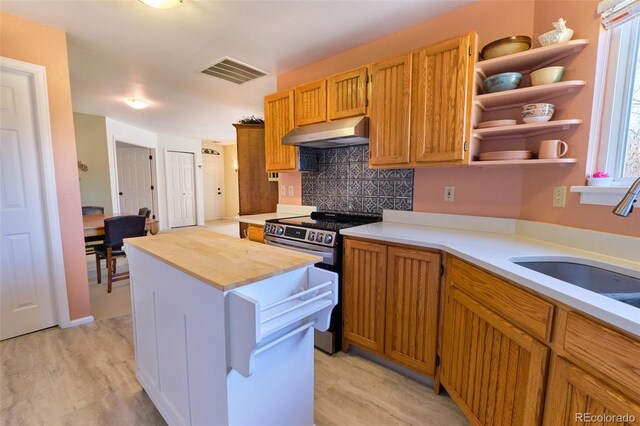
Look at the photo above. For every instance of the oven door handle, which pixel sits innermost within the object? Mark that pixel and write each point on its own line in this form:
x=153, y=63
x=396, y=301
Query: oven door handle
x=326, y=257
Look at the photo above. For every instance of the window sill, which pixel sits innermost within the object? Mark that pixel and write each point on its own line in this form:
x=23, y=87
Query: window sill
x=600, y=195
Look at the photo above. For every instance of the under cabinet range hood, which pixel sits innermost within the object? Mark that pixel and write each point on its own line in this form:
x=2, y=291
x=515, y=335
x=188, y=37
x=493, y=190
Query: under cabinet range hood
x=333, y=134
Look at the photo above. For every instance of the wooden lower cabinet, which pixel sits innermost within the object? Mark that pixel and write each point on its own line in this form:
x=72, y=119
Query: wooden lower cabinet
x=390, y=301
x=363, y=298
x=494, y=371
x=575, y=397
x=412, y=308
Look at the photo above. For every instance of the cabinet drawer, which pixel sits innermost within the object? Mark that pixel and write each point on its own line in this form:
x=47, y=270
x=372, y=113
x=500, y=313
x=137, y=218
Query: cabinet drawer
x=604, y=349
x=256, y=233
x=520, y=307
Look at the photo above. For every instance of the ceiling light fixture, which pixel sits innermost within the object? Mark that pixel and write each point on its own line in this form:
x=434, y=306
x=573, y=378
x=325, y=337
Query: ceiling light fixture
x=137, y=103
x=162, y=4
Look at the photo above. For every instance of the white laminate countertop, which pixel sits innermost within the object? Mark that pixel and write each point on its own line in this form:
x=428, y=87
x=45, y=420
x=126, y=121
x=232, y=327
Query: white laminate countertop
x=495, y=251
x=283, y=211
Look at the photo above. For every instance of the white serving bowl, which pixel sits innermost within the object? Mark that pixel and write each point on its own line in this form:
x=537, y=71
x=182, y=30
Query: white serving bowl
x=555, y=37
x=547, y=75
x=534, y=112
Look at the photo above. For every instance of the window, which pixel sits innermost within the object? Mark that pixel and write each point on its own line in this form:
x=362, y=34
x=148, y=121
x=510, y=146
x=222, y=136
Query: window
x=620, y=152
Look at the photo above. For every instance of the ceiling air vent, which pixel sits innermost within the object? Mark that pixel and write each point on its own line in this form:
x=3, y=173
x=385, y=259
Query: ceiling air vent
x=233, y=71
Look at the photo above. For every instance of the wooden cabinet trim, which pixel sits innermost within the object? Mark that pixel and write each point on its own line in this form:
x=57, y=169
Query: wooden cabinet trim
x=441, y=100
x=531, y=313
x=364, y=295
x=278, y=120
x=390, y=111
x=347, y=94
x=311, y=103
x=572, y=390
x=412, y=308
x=482, y=352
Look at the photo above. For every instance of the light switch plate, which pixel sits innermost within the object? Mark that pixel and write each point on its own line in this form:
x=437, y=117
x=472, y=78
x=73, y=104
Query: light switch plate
x=283, y=190
x=290, y=190
x=559, y=196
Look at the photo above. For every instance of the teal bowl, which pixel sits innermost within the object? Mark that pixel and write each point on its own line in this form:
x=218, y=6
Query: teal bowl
x=501, y=82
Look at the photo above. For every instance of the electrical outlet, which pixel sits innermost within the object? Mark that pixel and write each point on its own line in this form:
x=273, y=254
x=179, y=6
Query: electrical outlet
x=290, y=190
x=449, y=193
x=559, y=196
x=283, y=190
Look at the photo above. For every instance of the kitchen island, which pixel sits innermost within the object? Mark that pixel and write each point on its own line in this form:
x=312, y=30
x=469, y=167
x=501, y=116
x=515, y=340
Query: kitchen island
x=223, y=327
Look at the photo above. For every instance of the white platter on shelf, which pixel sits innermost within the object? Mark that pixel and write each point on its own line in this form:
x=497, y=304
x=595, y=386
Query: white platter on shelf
x=495, y=123
x=505, y=155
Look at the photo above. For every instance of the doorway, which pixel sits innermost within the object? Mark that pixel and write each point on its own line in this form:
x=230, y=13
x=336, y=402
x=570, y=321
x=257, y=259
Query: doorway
x=213, y=177
x=31, y=269
x=136, y=187
x=181, y=188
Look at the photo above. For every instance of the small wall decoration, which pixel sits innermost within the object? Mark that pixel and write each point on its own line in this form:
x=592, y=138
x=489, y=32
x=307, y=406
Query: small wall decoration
x=82, y=167
x=210, y=151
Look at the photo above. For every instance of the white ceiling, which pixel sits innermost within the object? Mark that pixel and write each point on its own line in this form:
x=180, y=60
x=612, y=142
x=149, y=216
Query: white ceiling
x=122, y=49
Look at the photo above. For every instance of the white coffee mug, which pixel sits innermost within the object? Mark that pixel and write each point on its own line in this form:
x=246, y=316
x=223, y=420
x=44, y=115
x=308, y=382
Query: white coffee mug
x=552, y=149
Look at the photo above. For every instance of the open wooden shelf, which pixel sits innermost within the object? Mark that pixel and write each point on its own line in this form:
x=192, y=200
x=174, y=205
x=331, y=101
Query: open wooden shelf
x=530, y=60
x=525, y=163
x=524, y=130
x=518, y=97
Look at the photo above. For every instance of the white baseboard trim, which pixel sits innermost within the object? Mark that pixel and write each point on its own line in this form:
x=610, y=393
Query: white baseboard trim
x=77, y=322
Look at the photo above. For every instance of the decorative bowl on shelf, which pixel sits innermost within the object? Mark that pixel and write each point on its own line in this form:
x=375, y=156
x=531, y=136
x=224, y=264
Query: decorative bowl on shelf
x=537, y=113
x=561, y=34
x=501, y=82
x=547, y=75
x=506, y=46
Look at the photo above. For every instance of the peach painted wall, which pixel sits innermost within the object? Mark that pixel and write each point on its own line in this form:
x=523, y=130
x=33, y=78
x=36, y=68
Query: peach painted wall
x=513, y=193
x=537, y=188
x=30, y=42
x=290, y=179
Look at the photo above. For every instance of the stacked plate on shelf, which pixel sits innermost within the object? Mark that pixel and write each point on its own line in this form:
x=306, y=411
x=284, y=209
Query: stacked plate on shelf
x=495, y=123
x=505, y=155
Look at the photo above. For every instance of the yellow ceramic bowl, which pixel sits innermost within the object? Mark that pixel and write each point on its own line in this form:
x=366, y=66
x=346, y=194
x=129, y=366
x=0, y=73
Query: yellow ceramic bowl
x=547, y=75
x=506, y=46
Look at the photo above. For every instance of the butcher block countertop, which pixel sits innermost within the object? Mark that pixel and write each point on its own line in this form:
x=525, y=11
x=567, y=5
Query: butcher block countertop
x=219, y=260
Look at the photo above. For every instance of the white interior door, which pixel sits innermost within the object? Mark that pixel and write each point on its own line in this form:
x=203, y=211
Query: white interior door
x=134, y=178
x=213, y=186
x=181, y=189
x=26, y=272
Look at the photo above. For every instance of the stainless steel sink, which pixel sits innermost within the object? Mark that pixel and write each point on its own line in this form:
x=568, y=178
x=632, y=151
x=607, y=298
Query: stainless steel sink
x=612, y=284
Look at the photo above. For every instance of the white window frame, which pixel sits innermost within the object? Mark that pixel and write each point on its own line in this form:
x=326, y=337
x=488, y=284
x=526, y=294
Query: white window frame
x=617, y=102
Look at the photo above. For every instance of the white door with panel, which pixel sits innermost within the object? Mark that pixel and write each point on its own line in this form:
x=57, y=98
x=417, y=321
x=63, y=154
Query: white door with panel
x=213, y=171
x=181, y=188
x=134, y=178
x=26, y=271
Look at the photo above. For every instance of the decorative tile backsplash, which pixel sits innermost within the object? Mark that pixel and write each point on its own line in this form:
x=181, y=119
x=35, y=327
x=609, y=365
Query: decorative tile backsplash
x=340, y=179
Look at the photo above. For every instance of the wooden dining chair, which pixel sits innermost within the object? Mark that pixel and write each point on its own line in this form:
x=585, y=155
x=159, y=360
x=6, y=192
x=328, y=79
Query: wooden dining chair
x=115, y=230
x=91, y=242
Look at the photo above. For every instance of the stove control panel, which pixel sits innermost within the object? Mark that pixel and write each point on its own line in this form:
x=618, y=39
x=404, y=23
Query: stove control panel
x=298, y=233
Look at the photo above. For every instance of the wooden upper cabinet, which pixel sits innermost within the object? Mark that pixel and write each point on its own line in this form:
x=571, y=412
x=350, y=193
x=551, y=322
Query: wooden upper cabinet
x=278, y=120
x=390, y=111
x=347, y=94
x=413, y=278
x=494, y=371
x=364, y=294
x=311, y=103
x=573, y=393
x=441, y=96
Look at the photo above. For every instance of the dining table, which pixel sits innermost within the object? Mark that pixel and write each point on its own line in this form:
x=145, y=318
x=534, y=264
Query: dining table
x=94, y=223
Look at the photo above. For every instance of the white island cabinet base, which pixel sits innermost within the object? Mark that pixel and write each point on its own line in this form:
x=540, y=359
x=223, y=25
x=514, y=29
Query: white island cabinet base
x=238, y=357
